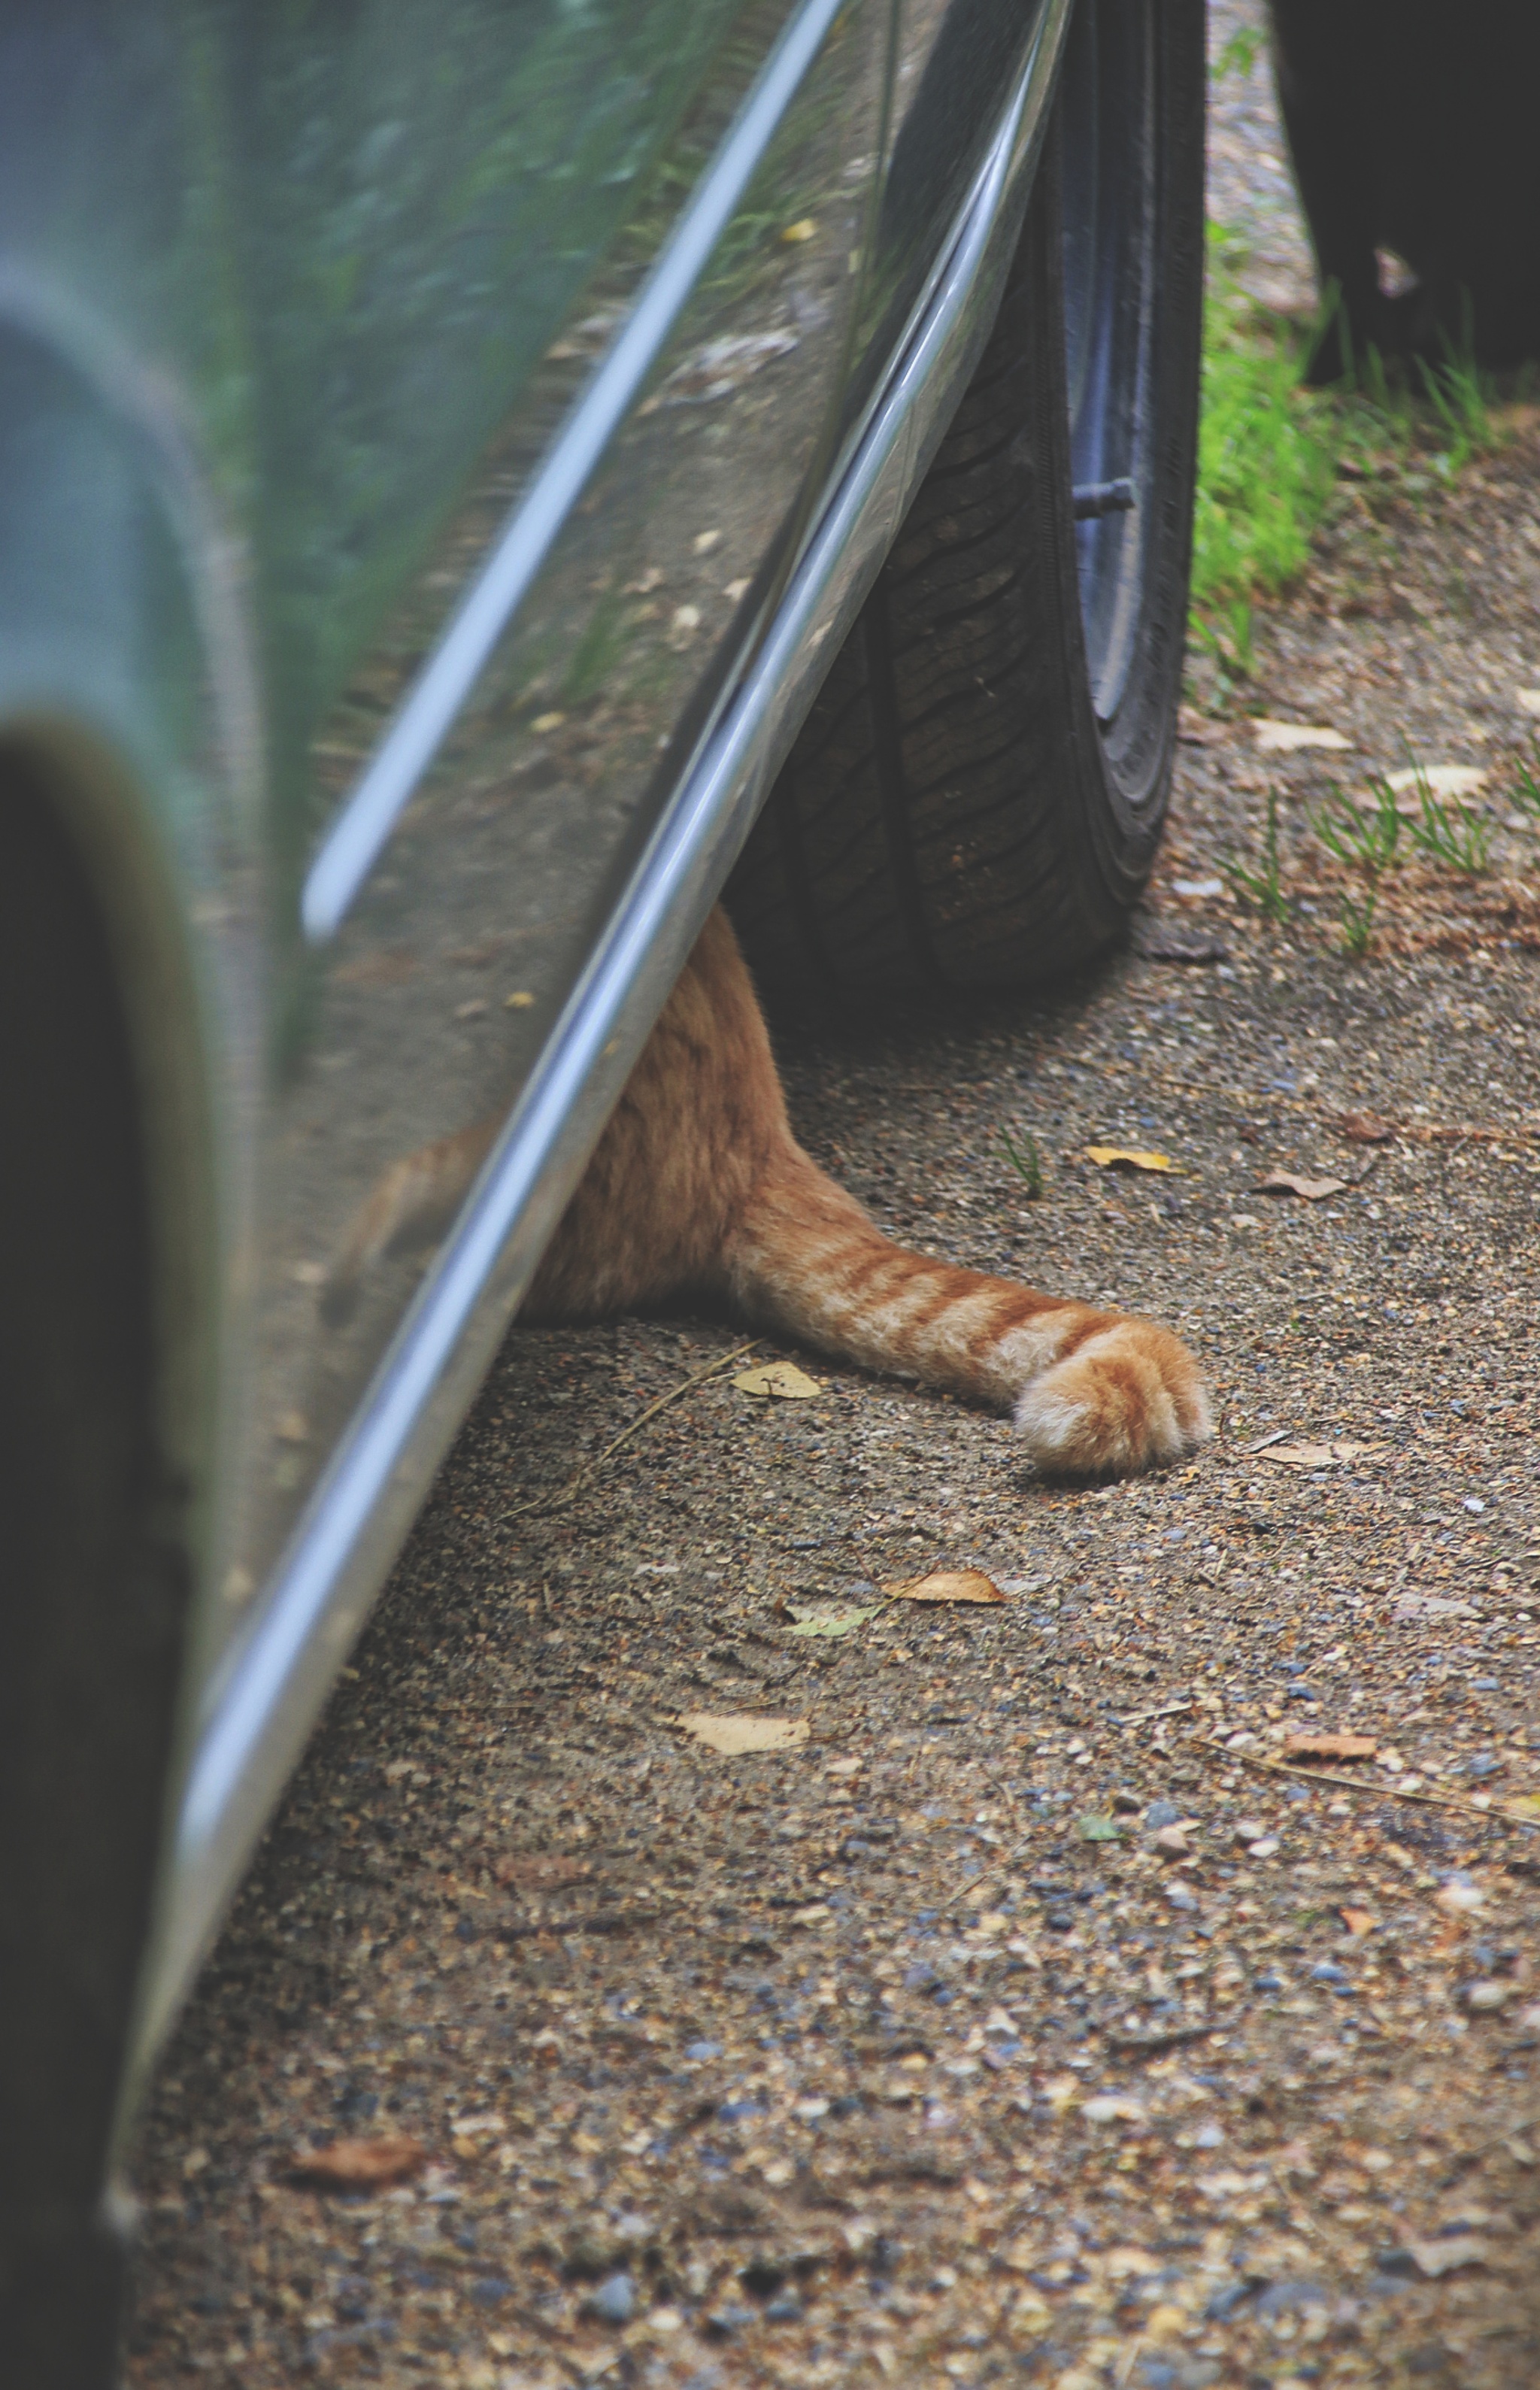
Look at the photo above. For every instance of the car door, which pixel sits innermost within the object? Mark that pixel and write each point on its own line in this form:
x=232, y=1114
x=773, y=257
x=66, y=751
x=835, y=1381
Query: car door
x=451, y=218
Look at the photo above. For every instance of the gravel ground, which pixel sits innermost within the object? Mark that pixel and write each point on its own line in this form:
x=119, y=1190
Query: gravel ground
x=1251, y=189
x=1032, y=2015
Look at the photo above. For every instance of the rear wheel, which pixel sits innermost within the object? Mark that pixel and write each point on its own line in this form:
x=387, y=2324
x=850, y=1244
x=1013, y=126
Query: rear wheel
x=976, y=797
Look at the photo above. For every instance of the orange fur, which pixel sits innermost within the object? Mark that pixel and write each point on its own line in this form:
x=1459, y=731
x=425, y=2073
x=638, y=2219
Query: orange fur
x=697, y=1189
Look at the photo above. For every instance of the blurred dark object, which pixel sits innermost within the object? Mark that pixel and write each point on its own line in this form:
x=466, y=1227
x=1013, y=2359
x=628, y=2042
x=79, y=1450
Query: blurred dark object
x=1413, y=131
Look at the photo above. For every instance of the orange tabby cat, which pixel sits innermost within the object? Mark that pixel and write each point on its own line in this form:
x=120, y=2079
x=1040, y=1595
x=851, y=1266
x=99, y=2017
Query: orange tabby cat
x=697, y=1190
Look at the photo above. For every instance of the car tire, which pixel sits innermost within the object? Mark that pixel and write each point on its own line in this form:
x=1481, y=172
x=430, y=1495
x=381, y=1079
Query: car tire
x=975, y=800
x=93, y=1597
x=1410, y=136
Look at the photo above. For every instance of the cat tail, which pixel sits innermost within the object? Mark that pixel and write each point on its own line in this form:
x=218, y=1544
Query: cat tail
x=409, y=1205
x=1092, y=1393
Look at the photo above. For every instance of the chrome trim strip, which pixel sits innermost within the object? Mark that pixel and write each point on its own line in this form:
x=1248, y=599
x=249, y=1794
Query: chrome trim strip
x=268, y=1697
x=427, y=712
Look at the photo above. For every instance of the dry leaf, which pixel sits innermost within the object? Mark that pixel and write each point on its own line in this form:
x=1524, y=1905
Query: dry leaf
x=946, y=1585
x=1365, y=1129
x=830, y=1621
x=361, y=2165
x=739, y=1731
x=1285, y=738
x=778, y=1381
x=1124, y=1157
x=1438, y=2257
x=1440, y=780
x=1330, y=1746
x=1357, y=1920
x=1311, y=1190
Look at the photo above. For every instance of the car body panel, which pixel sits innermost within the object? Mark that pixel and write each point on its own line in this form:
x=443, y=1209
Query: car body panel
x=338, y=287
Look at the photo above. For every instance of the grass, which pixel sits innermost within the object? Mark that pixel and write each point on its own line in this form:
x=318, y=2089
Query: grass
x=1451, y=834
x=1026, y=1159
x=1275, y=459
x=1264, y=887
x=1367, y=842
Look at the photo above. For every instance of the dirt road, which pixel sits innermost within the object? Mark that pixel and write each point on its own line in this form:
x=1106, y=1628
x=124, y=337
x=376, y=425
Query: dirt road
x=1032, y=2013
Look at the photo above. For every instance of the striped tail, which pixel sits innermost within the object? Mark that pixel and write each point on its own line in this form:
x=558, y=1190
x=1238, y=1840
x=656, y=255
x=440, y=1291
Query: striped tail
x=1092, y=1393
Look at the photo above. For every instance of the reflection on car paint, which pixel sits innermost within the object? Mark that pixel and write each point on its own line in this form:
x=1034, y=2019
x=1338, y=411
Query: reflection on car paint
x=428, y=1009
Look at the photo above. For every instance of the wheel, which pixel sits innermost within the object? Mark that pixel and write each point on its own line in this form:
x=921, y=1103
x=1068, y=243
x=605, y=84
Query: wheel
x=975, y=800
x=92, y=1600
x=1413, y=131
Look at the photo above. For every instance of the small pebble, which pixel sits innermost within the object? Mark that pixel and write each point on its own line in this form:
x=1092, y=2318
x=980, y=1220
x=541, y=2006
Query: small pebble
x=1160, y=1813
x=614, y=2301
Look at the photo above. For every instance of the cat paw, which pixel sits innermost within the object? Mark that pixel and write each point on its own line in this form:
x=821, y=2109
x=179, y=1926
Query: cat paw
x=1128, y=1398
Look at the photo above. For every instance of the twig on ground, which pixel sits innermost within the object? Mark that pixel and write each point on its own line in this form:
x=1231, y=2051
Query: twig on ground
x=675, y=1394
x=1492, y=1816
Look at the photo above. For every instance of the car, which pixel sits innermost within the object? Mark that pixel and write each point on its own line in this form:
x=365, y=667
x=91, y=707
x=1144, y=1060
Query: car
x=1419, y=178
x=478, y=481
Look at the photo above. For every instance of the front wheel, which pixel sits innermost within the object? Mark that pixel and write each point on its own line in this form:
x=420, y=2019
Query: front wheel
x=976, y=798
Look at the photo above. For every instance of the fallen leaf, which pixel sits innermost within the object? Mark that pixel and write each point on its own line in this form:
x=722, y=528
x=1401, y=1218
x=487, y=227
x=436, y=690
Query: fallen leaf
x=1093, y=1829
x=361, y=2165
x=1330, y=1746
x=1311, y=1190
x=1441, y=780
x=946, y=1585
x=1365, y=1129
x=1124, y=1157
x=1434, y=2258
x=831, y=1622
x=778, y=1381
x=1357, y=1920
x=739, y=1731
x=541, y=1872
x=1285, y=738
x=803, y=229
